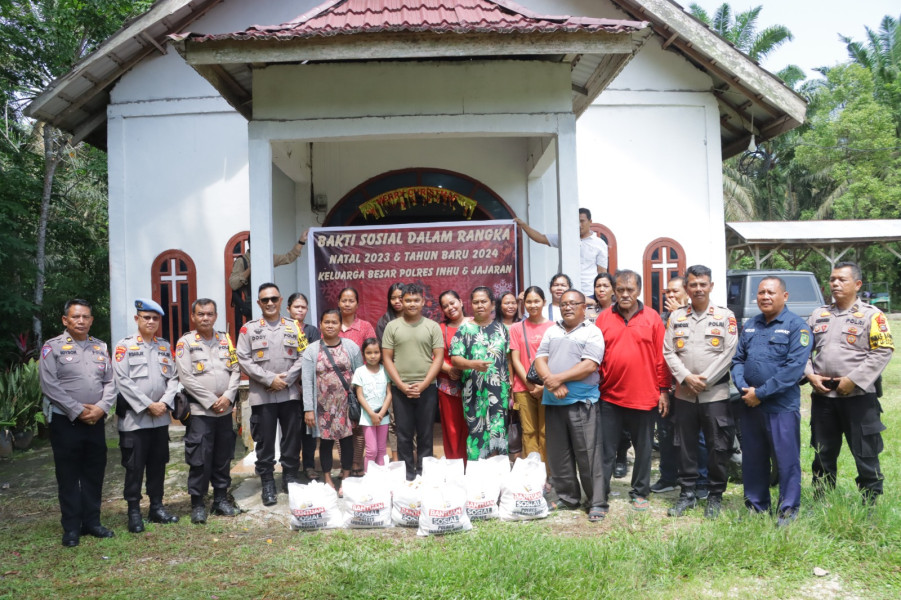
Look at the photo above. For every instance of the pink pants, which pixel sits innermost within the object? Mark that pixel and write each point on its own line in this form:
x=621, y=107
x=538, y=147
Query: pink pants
x=376, y=444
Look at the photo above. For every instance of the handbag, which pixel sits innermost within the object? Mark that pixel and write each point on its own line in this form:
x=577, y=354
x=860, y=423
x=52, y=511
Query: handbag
x=181, y=407
x=532, y=376
x=354, y=410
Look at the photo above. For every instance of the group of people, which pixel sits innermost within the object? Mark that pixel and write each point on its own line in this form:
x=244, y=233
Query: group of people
x=575, y=385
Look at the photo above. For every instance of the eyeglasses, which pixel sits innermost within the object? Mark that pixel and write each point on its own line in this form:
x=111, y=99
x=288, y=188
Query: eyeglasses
x=270, y=300
x=150, y=317
x=570, y=304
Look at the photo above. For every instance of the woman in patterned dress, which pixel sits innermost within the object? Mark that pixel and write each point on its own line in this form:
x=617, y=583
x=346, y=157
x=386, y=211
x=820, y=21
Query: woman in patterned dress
x=480, y=349
x=325, y=396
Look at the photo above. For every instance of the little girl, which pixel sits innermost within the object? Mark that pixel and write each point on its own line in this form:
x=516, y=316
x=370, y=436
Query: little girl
x=374, y=394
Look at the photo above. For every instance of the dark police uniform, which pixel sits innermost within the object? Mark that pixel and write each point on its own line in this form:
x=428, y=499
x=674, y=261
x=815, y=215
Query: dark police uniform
x=74, y=374
x=771, y=358
x=145, y=373
x=208, y=369
x=265, y=350
x=855, y=343
x=702, y=344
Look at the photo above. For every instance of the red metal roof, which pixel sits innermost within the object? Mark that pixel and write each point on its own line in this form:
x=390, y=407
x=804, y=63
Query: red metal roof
x=346, y=17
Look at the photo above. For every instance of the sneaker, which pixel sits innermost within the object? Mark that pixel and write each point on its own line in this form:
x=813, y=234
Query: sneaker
x=714, y=505
x=662, y=486
x=682, y=504
x=701, y=492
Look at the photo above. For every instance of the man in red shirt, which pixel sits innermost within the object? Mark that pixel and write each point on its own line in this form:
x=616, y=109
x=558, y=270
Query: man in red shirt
x=634, y=380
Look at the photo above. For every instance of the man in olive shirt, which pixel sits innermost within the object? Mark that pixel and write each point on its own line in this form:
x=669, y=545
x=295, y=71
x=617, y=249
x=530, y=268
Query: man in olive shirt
x=208, y=369
x=412, y=352
x=77, y=382
x=147, y=382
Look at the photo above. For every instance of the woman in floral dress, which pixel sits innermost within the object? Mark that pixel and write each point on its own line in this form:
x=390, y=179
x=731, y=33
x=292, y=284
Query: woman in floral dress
x=324, y=395
x=480, y=349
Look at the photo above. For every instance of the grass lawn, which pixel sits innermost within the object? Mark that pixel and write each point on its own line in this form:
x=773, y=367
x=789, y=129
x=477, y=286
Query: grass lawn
x=629, y=555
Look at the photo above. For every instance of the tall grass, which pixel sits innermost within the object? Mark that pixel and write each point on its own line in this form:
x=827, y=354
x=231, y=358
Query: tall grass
x=629, y=555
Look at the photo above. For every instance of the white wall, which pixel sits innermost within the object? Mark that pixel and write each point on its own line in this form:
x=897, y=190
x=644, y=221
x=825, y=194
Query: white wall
x=650, y=162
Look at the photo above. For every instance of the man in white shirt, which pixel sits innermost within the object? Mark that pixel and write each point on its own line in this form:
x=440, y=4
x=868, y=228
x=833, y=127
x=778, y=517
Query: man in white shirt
x=592, y=249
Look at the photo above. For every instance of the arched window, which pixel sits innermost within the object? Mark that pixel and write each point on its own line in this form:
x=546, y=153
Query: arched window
x=174, y=288
x=235, y=247
x=603, y=232
x=664, y=258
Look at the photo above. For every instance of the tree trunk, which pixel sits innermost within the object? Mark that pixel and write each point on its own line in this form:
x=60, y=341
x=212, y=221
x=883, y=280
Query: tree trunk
x=52, y=149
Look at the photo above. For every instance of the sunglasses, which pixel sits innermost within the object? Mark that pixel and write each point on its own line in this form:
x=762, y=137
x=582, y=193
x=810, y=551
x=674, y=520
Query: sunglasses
x=270, y=300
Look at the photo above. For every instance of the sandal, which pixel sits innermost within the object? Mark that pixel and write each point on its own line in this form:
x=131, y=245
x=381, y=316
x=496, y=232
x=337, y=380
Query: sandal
x=311, y=474
x=357, y=473
x=596, y=514
x=640, y=503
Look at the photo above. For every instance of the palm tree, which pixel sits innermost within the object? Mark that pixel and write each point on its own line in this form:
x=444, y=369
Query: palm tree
x=741, y=29
x=882, y=57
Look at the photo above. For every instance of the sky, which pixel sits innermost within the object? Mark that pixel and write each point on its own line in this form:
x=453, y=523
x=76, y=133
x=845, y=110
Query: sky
x=815, y=24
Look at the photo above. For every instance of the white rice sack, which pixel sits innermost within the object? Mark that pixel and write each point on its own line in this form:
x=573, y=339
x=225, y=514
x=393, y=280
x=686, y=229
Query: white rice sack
x=522, y=491
x=407, y=503
x=367, y=502
x=443, y=510
x=436, y=471
x=483, y=486
x=314, y=506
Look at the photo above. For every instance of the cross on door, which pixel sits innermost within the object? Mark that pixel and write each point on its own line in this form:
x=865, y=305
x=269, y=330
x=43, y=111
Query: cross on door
x=173, y=278
x=664, y=264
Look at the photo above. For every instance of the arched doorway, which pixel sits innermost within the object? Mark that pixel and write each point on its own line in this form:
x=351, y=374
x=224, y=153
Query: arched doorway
x=603, y=232
x=664, y=259
x=235, y=248
x=418, y=195
x=174, y=285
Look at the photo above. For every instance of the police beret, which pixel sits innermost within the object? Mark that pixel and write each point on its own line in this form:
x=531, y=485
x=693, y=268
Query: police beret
x=144, y=304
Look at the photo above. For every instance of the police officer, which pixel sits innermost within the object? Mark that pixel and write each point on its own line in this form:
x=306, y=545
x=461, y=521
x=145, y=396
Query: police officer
x=147, y=383
x=269, y=353
x=852, y=345
x=208, y=370
x=772, y=352
x=698, y=347
x=77, y=382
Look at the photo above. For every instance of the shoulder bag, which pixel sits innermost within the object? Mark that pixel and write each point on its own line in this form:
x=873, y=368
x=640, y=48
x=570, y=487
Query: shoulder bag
x=532, y=376
x=354, y=410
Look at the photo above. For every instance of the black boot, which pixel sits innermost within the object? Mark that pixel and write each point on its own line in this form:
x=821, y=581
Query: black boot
x=159, y=514
x=135, y=521
x=269, y=495
x=289, y=477
x=198, y=510
x=222, y=505
x=686, y=500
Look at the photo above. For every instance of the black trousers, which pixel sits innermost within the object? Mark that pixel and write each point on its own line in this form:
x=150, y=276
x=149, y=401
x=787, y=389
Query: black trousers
x=857, y=419
x=345, y=449
x=640, y=425
x=715, y=420
x=209, y=450
x=414, y=416
x=264, y=421
x=144, y=450
x=79, y=455
x=573, y=438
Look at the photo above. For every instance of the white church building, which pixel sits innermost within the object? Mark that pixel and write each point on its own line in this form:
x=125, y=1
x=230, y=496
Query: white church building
x=228, y=117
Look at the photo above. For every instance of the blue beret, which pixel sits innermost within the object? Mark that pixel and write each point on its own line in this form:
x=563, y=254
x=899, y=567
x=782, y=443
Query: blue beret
x=147, y=305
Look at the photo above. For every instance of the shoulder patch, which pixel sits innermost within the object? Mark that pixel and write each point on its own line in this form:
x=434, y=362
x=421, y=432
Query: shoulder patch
x=46, y=350
x=244, y=329
x=805, y=337
x=180, y=349
x=120, y=353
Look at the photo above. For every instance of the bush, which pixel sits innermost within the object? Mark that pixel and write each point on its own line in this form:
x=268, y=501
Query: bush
x=20, y=397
